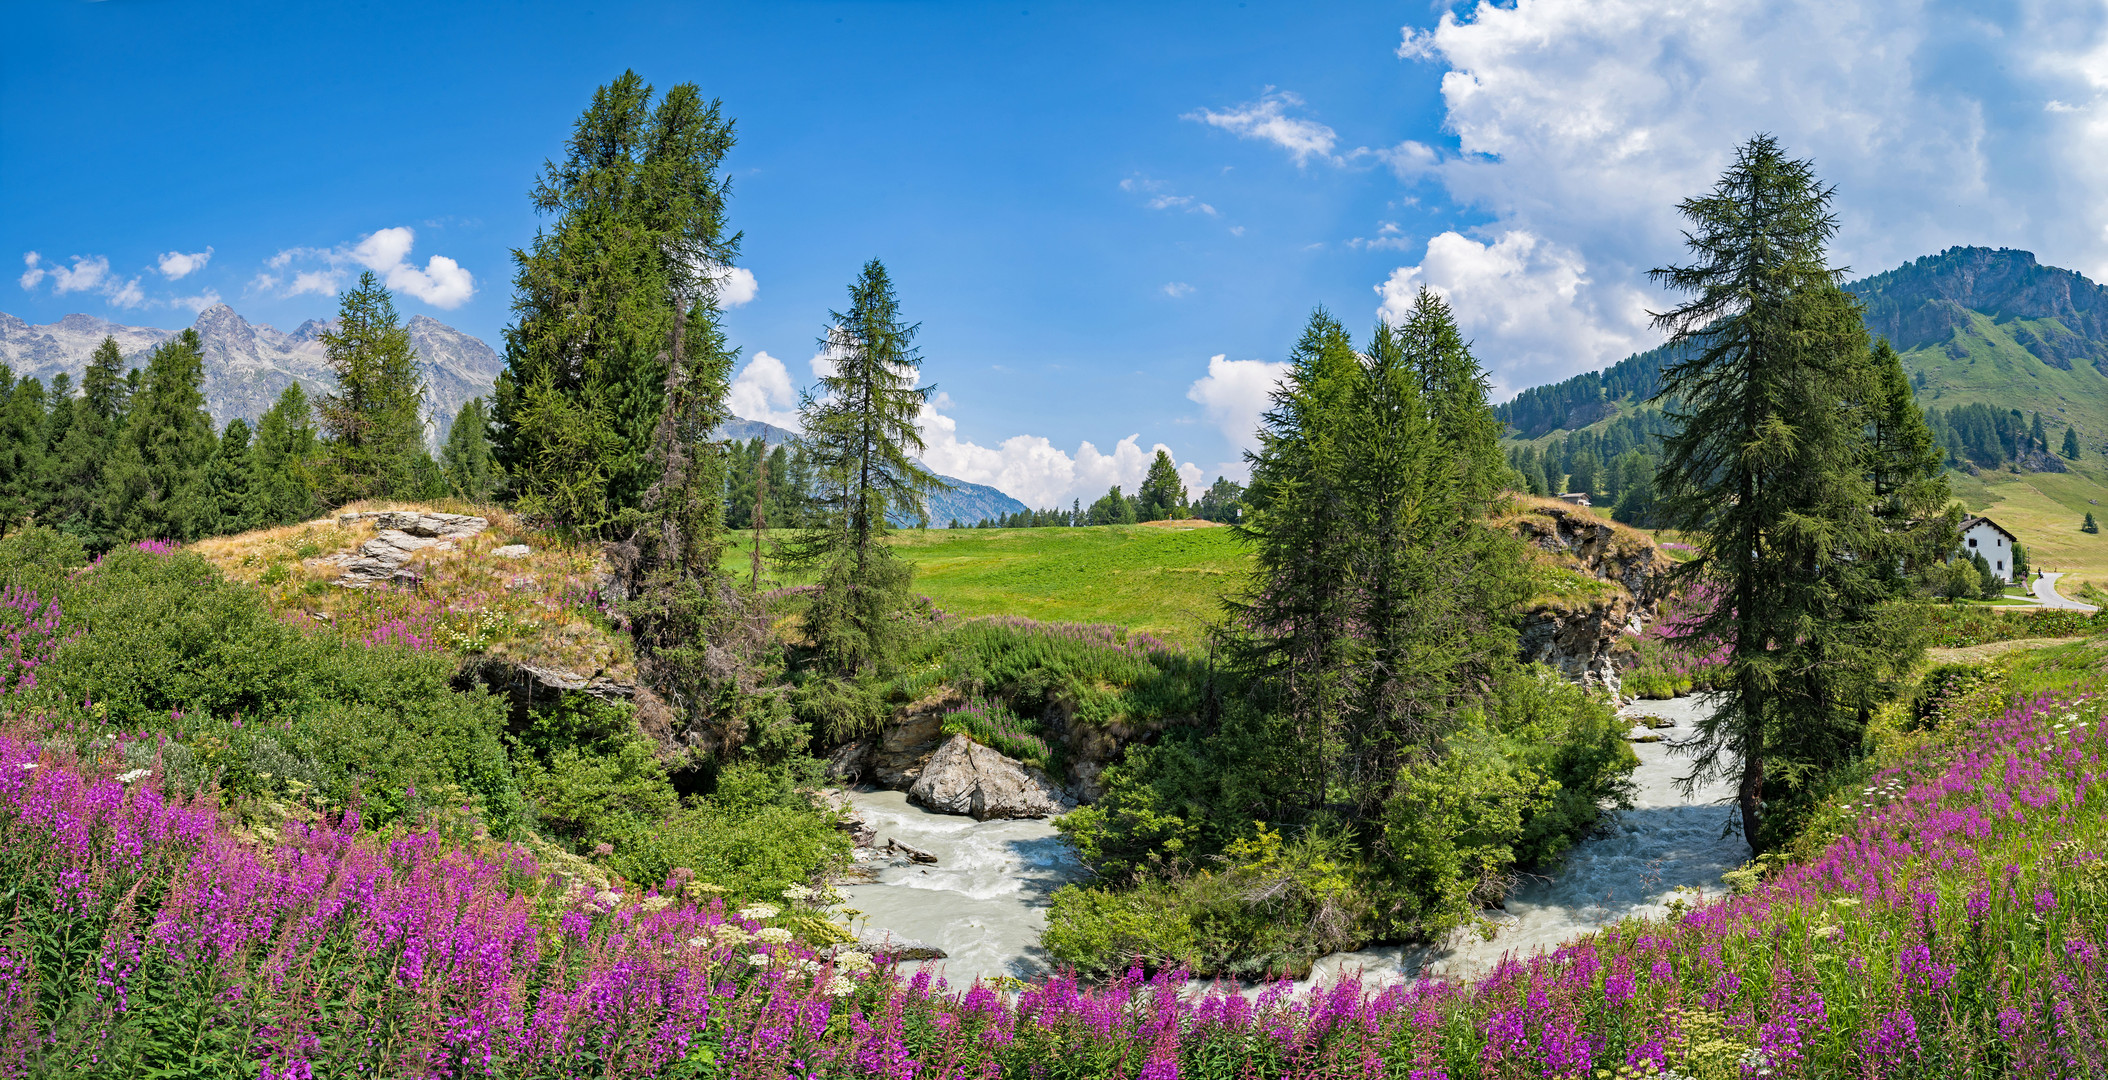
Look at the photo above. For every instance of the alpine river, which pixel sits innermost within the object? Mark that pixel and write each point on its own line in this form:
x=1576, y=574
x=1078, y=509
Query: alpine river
x=984, y=900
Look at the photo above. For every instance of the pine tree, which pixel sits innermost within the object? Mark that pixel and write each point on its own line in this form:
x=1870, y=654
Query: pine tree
x=232, y=477
x=1772, y=465
x=372, y=426
x=77, y=463
x=107, y=385
x=1905, y=467
x=2071, y=443
x=471, y=471
x=21, y=450
x=638, y=208
x=156, y=485
x=2090, y=525
x=1163, y=493
x=284, y=455
x=1112, y=508
x=2020, y=565
x=1583, y=476
x=861, y=432
x=1298, y=648
x=2037, y=438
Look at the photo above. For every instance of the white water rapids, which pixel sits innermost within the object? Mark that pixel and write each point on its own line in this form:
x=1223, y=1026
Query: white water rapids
x=985, y=899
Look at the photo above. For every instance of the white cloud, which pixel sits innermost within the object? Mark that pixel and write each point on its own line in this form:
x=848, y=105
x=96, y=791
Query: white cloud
x=125, y=294
x=1267, y=119
x=199, y=302
x=175, y=264
x=1162, y=199
x=441, y=282
x=33, y=274
x=762, y=391
x=1177, y=289
x=736, y=286
x=1032, y=469
x=1580, y=123
x=1234, y=393
x=89, y=273
x=1527, y=304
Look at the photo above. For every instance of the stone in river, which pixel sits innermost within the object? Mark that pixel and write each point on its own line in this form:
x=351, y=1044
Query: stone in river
x=964, y=777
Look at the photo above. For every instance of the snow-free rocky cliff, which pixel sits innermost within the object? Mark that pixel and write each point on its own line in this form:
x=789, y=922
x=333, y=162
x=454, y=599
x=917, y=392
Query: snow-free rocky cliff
x=247, y=365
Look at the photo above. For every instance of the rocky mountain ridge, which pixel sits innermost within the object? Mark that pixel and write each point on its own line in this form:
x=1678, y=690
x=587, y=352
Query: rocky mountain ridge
x=247, y=365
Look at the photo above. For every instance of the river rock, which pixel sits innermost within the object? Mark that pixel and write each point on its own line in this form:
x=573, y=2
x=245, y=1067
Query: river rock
x=884, y=945
x=964, y=777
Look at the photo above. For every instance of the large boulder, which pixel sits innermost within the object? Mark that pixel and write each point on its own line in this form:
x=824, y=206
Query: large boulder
x=964, y=777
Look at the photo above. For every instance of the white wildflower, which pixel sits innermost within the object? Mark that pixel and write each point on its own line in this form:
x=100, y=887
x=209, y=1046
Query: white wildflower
x=760, y=911
x=759, y=959
x=796, y=893
x=774, y=935
x=134, y=776
x=699, y=941
x=853, y=961
x=733, y=935
x=841, y=986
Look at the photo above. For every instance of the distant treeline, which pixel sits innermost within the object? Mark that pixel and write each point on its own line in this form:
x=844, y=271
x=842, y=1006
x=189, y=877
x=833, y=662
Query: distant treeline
x=1161, y=497
x=1991, y=438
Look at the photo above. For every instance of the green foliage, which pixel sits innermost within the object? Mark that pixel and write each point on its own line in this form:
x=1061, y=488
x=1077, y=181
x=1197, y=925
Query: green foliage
x=2071, y=443
x=1112, y=508
x=233, y=479
x=373, y=424
x=164, y=644
x=2089, y=525
x=21, y=449
x=862, y=438
x=1223, y=502
x=286, y=446
x=471, y=471
x=1800, y=460
x=638, y=239
x=1162, y=494
x=156, y=484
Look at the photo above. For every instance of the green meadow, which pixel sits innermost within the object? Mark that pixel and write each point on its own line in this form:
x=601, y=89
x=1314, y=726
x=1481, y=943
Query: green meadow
x=1162, y=580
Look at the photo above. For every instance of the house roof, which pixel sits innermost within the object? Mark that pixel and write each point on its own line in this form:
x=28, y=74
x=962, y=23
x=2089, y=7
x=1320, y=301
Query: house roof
x=1972, y=522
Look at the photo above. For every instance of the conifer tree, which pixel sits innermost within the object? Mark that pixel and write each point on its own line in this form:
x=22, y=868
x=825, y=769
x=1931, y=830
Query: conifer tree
x=284, y=452
x=2037, y=438
x=2090, y=525
x=1296, y=647
x=372, y=425
x=1163, y=492
x=156, y=484
x=1773, y=465
x=861, y=434
x=2071, y=443
x=638, y=212
x=106, y=384
x=79, y=458
x=21, y=450
x=471, y=471
x=232, y=477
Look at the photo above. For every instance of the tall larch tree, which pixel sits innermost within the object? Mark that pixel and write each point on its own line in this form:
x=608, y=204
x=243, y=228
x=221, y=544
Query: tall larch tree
x=865, y=446
x=284, y=454
x=471, y=471
x=596, y=297
x=1775, y=463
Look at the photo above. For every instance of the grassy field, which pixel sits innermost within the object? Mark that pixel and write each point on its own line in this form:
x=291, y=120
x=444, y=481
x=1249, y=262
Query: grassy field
x=1162, y=580
x=2045, y=510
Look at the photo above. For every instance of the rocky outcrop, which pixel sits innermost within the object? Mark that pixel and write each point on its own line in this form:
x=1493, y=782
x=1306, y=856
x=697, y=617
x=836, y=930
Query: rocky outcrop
x=1586, y=640
x=399, y=535
x=964, y=777
x=894, y=758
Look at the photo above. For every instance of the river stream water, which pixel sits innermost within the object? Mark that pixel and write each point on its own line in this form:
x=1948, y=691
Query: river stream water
x=984, y=901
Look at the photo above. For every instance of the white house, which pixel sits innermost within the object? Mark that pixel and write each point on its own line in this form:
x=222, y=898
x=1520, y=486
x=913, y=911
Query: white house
x=1982, y=536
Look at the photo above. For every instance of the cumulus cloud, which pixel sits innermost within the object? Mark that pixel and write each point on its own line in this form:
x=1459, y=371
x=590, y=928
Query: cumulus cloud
x=441, y=282
x=736, y=286
x=88, y=274
x=175, y=264
x=1579, y=124
x=1267, y=119
x=1032, y=469
x=762, y=391
x=199, y=302
x=1528, y=305
x=1234, y=393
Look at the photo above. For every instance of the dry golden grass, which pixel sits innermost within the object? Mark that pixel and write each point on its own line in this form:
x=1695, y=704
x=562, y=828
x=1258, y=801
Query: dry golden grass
x=541, y=608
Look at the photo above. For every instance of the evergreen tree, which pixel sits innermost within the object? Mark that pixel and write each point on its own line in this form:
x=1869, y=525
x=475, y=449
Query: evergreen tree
x=156, y=483
x=233, y=480
x=1905, y=468
x=372, y=426
x=79, y=458
x=1583, y=476
x=1298, y=648
x=1989, y=585
x=471, y=471
x=2020, y=565
x=2071, y=443
x=1112, y=508
x=284, y=456
x=1163, y=493
x=1223, y=501
x=2090, y=525
x=22, y=469
x=638, y=208
x=2037, y=438
x=107, y=385
x=861, y=433
x=1773, y=466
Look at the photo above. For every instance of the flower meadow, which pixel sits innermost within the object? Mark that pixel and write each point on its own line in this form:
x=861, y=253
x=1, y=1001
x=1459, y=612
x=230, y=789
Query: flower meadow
x=1951, y=925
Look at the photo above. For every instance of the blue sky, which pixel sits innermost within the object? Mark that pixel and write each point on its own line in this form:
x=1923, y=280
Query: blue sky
x=1085, y=205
